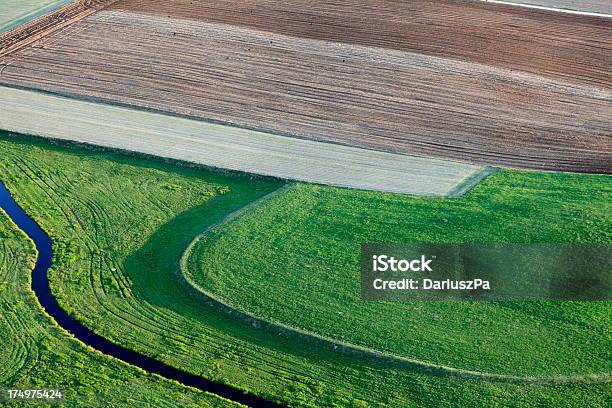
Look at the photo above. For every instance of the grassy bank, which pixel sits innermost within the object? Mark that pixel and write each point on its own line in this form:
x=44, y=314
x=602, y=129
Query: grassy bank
x=37, y=354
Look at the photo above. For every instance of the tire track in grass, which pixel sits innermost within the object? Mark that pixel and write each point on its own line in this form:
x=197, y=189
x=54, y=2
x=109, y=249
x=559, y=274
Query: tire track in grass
x=286, y=372
x=141, y=314
x=218, y=351
x=40, y=285
x=30, y=169
x=131, y=317
x=119, y=276
x=16, y=356
x=61, y=204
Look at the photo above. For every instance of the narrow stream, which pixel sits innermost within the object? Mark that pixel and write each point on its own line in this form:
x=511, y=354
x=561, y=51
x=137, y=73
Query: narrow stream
x=40, y=286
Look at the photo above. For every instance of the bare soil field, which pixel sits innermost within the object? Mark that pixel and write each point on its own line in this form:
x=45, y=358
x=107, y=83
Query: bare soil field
x=551, y=44
x=486, y=84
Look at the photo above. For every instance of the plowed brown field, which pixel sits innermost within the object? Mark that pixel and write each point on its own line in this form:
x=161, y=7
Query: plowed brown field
x=48, y=23
x=453, y=79
x=552, y=44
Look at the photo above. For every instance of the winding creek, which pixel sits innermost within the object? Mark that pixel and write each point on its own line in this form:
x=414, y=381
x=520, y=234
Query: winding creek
x=42, y=290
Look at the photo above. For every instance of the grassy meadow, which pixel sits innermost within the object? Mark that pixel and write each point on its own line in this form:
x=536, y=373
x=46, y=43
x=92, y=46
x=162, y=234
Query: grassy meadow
x=295, y=260
x=121, y=224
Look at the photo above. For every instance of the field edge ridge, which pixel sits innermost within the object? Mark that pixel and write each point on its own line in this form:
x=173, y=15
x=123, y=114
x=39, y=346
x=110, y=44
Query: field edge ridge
x=421, y=366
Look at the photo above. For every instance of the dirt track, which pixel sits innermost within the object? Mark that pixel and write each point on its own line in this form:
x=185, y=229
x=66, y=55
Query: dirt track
x=587, y=6
x=461, y=80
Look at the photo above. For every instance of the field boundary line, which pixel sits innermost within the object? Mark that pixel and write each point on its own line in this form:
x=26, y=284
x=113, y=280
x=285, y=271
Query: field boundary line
x=222, y=146
x=32, y=15
x=548, y=8
x=471, y=181
x=32, y=31
x=346, y=348
x=118, y=104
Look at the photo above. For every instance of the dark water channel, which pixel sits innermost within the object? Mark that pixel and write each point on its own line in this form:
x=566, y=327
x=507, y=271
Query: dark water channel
x=40, y=286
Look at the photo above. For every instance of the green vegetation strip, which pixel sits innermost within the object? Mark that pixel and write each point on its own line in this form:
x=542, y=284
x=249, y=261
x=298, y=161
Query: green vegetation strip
x=294, y=263
x=121, y=223
x=38, y=354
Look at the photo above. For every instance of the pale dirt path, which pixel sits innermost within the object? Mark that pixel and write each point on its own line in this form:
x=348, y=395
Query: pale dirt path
x=583, y=7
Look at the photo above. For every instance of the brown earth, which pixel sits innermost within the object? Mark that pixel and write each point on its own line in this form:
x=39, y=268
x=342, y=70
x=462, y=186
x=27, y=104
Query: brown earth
x=458, y=80
x=577, y=48
x=44, y=25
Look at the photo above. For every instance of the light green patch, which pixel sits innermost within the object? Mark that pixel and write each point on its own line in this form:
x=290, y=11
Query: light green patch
x=295, y=260
x=16, y=12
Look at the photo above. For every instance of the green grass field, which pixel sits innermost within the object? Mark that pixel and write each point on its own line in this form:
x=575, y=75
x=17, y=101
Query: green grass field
x=37, y=354
x=296, y=260
x=121, y=224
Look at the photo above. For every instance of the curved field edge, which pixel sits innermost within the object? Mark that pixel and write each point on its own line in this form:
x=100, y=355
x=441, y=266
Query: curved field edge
x=270, y=263
x=211, y=344
x=183, y=275
x=41, y=354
